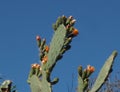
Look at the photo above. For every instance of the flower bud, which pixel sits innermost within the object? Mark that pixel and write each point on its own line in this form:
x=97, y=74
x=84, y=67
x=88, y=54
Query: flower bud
x=38, y=37
x=38, y=40
x=54, y=27
x=84, y=73
x=35, y=66
x=64, y=19
x=72, y=22
x=80, y=71
x=90, y=68
x=69, y=19
x=75, y=32
x=46, y=48
x=55, y=80
x=44, y=59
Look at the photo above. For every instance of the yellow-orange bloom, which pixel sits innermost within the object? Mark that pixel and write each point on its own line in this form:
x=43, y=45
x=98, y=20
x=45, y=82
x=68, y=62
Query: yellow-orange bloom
x=90, y=68
x=35, y=66
x=44, y=59
x=46, y=48
x=75, y=32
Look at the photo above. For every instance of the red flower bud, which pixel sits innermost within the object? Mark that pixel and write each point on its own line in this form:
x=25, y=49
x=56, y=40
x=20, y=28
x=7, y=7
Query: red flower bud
x=38, y=38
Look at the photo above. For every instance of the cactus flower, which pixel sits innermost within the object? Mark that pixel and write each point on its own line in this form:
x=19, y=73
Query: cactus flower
x=90, y=68
x=46, y=48
x=44, y=59
x=75, y=32
x=80, y=70
x=35, y=66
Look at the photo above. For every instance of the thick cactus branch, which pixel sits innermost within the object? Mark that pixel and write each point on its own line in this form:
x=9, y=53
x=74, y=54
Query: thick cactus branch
x=39, y=77
x=104, y=72
x=56, y=45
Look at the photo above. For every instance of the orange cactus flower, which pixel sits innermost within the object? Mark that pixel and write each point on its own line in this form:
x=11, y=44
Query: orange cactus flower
x=38, y=66
x=46, y=48
x=45, y=59
x=35, y=66
x=90, y=68
x=38, y=37
x=75, y=32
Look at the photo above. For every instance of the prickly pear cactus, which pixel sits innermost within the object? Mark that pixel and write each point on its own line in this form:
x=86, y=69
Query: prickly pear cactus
x=39, y=76
x=104, y=72
x=83, y=75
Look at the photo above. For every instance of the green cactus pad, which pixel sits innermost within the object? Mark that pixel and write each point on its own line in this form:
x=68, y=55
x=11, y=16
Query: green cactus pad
x=105, y=71
x=80, y=84
x=35, y=84
x=56, y=46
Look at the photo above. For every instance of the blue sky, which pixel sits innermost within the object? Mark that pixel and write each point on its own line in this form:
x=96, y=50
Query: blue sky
x=98, y=22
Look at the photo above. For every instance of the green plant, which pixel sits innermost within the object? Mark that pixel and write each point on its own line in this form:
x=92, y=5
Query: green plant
x=7, y=86
x=39, y=76
x=64, y=31
x=83, y=78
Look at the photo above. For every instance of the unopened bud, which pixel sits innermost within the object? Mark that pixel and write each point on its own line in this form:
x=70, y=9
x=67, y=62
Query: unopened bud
x=55, y=80
x=75, y=32
x=80, y=71
x=42, y=44
x=38, y=37
x=84, y=74
x=38, y=40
